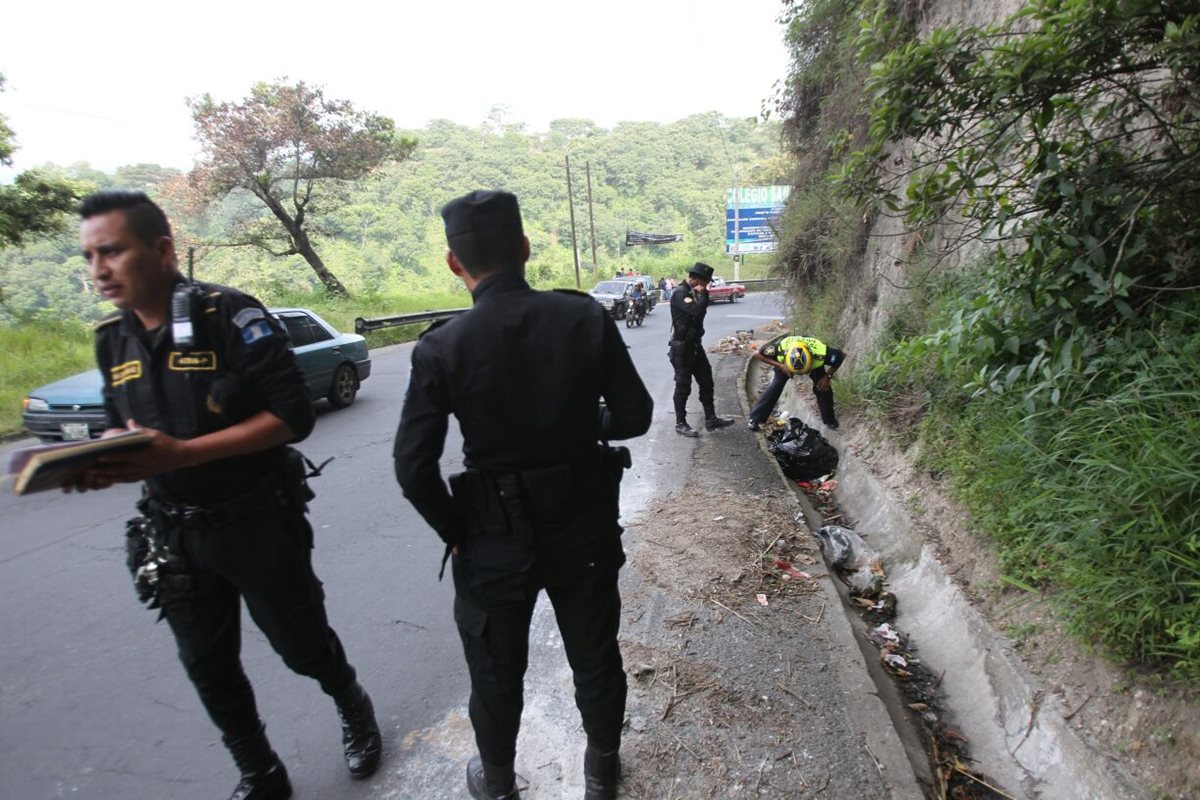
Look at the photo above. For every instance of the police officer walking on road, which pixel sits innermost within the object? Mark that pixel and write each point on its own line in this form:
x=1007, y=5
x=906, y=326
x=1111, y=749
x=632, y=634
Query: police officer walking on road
x=207, y=373
x=689, y=304
x=525, y=373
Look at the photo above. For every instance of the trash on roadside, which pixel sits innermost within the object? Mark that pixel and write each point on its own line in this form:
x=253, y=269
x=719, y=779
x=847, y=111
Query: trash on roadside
x=865, y=582
x=802, y=452
x=762, y=599
x=789, y=570
x=733, y=344
x=892, y=659
x=882, y=610
x=884, y=634
x=844, y=549
x=718, y=518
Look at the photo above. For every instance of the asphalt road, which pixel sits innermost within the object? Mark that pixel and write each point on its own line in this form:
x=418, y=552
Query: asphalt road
x=94, y=704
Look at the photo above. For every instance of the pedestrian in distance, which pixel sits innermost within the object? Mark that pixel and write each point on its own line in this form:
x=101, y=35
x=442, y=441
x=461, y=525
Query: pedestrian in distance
x=689, y=305
x=789, y=355
x=537, y=380
x=207, y=374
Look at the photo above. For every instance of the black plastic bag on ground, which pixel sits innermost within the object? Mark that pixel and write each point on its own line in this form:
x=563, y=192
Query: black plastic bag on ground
x=801, y=451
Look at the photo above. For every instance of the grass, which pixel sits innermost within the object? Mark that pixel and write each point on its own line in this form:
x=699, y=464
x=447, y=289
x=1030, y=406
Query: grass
x=1094, y=503
x=31, y=355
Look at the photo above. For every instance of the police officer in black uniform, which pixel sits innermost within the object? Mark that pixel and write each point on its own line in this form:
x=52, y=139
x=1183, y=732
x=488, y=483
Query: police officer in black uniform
x=524, y=372
x=689, y=304
x=216, y=387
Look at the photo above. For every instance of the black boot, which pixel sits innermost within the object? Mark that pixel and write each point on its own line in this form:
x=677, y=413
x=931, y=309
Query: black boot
x=360, y=731
x=489, y=782
x=263, y=775
x=715, y=423
x=601, y=772
x=683, y=429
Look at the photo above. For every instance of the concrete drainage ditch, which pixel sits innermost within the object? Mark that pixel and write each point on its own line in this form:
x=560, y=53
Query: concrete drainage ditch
x=1024, y=747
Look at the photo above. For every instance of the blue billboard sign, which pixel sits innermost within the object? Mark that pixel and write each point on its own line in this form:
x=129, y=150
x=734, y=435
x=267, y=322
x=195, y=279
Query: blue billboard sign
x=752, y=218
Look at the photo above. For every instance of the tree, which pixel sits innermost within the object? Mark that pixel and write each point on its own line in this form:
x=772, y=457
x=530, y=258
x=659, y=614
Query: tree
x=34, y=204
x=1069, y=135
x=296, y=152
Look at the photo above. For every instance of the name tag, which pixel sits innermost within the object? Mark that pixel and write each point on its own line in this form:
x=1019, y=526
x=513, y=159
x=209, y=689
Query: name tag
x=205, y=361
x=122, y=373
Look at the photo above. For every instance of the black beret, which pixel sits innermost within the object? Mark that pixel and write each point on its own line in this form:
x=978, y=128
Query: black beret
x=702, y=271
x=482, y=212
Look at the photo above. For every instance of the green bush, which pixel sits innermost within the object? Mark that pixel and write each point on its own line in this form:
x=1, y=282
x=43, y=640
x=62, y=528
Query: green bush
x=1097, y=499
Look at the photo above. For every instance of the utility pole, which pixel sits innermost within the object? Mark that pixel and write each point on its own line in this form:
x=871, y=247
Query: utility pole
x=592, y=224
x=574, y=243
x=191, y=262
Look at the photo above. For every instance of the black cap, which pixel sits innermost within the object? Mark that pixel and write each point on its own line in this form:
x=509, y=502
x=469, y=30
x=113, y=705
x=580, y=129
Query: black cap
x=702, y=271
x=482, y=212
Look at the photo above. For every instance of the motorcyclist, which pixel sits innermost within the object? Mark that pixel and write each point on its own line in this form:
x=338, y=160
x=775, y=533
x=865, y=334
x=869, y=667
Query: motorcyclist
x=638, y=296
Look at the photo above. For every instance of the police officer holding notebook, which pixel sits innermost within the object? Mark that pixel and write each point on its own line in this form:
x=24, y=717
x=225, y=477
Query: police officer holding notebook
x=537, y=380
x=207, y=373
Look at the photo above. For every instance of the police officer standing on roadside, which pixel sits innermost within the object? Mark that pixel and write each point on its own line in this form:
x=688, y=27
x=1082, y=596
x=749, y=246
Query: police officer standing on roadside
x=207, y=373
x=536, y=381
x=689, y=305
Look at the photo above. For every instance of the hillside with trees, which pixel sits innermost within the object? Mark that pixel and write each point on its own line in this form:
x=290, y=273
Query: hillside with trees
x=382, y=236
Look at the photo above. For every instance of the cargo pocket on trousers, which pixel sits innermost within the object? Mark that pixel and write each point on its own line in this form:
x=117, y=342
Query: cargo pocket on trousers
x=472, y=626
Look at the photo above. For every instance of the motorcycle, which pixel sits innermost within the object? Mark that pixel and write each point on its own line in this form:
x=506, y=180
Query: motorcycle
x=636, y=313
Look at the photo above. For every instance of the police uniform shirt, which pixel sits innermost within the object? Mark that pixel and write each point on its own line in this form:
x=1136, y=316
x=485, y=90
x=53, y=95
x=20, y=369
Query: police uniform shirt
x=240, y=364
x=688, y=308
x=523, y=372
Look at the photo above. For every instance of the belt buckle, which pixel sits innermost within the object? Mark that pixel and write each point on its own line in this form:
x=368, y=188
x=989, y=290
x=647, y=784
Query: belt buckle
x=191, y=515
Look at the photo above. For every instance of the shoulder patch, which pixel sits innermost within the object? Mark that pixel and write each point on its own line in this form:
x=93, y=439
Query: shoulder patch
x=256, y=331
x=434, y=326
x=687, y=299
x=106, y=321
x=248, y=315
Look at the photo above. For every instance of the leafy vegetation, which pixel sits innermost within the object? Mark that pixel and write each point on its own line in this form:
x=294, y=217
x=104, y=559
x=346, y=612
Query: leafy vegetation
x=385, y=239
x=1055, y=378
x=1069, y=135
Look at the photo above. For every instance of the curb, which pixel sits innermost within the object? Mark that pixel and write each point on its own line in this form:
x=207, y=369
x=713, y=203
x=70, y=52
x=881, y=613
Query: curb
x=900, y=756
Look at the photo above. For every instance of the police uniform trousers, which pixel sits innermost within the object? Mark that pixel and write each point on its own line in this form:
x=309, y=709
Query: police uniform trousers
x=689, y=363
x=264, y=557
x=770, y=397
x=495, y=636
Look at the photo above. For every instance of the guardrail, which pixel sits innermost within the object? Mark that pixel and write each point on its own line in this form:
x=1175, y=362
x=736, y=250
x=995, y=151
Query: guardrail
x=762, y=284
x=361, y=325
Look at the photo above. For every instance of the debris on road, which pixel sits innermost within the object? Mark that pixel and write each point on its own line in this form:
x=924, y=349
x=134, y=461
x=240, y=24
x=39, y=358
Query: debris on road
x=733, y=344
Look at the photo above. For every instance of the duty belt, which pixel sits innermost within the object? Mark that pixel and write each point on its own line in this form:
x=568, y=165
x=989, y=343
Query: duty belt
x=220, y=514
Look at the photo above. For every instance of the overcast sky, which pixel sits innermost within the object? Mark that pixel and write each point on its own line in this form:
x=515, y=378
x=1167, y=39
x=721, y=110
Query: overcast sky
x=106, y=83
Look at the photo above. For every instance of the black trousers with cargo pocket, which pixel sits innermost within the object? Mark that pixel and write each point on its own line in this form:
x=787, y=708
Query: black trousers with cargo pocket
x=495, y=637
x=264, y=559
